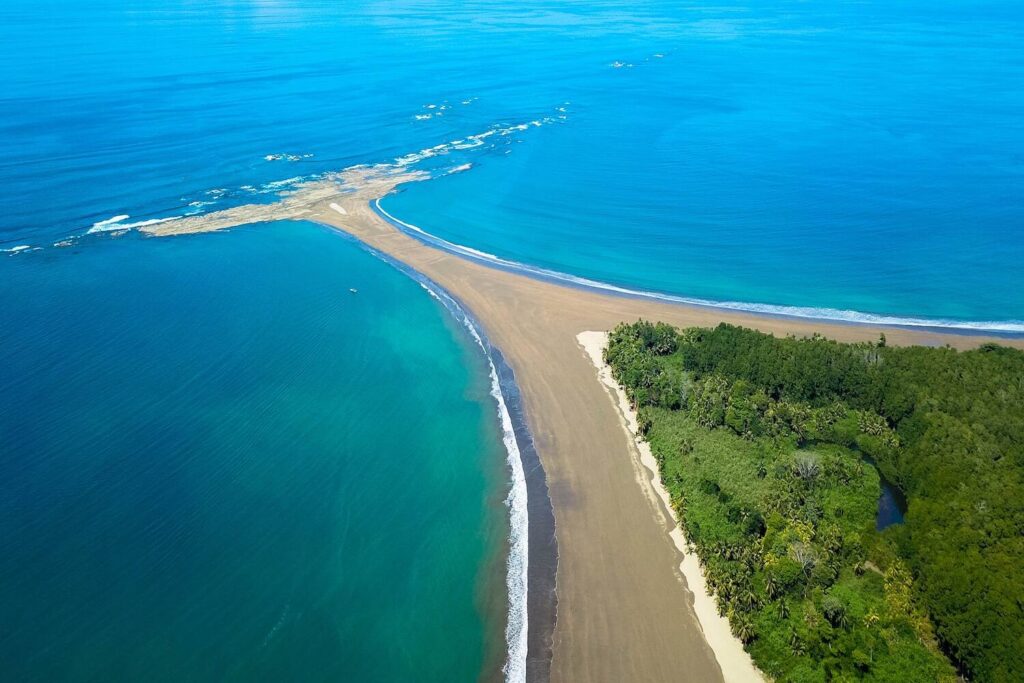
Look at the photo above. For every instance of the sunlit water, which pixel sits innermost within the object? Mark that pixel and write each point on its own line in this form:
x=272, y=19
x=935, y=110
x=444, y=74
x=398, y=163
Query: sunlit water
x=203, y=476
x=863, y=157
x=217, y=469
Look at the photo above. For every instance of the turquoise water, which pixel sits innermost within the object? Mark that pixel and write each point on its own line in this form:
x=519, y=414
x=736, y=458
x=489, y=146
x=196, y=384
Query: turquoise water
x=208, y=443
x=864, y=157
x=215, y=469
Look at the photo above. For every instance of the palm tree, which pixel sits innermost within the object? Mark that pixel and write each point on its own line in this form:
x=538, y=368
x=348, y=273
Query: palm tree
x=796, y=644
x=806, y=466
x=749, y=599
x=745, y=631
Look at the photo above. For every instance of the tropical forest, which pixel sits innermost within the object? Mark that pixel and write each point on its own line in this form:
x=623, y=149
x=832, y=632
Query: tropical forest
x=776, y=453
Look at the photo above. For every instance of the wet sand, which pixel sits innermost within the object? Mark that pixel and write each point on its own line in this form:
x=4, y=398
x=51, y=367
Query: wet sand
x=624, y=611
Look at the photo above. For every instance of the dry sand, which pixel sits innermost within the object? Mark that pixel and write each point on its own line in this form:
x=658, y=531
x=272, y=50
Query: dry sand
x=736, y=664
x=624, y=613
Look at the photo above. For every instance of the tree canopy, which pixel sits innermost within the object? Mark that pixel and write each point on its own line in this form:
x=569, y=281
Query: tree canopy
x=765, y=444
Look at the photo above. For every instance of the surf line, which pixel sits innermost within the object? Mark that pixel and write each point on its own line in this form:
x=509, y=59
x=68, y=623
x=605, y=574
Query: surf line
x=533, y=550
x=1010, y=329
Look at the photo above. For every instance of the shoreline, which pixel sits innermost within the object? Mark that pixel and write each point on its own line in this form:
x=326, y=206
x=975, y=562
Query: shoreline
x=1008, y=329
x=624, y=612
x=531, y=601
x=736, y=664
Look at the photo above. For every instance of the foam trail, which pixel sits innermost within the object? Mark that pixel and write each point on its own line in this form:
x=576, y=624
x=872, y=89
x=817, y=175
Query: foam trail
x=517, y=627
x=111, y=226
x=110, y=221
x=298, y=195
x=1013, y=327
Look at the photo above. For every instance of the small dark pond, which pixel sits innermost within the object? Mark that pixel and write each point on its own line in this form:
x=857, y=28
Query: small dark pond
x=892, y=505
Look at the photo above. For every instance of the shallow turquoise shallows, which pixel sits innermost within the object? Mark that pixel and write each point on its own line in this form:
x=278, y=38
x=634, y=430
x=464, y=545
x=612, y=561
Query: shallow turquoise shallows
x=218, y=464
x=862, y=157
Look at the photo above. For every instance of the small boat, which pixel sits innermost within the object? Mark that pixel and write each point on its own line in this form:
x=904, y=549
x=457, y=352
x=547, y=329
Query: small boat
x=353, y=290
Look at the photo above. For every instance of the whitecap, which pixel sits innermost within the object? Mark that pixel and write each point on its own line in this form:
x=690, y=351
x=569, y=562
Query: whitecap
x=110, y=221
x=280, y=184
x=803, y=312
x=517, y=566
x=114, y=227
x=287, y=157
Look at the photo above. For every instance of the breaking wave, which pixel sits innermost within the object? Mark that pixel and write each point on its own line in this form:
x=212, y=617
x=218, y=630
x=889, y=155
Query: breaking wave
x=1013, y=327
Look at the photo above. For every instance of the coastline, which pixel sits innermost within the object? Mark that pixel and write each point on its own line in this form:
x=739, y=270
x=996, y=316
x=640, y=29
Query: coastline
x=736, y=664
x=611, y=542
x=1003, y=329
x=531, y=601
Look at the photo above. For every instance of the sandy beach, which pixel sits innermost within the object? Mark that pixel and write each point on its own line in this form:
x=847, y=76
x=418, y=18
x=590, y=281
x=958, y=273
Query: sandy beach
x=737, y=666
x=626, y=611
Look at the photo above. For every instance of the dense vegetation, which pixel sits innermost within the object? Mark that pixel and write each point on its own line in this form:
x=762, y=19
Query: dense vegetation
x=765, y=445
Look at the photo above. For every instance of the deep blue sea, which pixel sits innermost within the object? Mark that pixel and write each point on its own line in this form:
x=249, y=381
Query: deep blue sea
x=194, y=471
x=862, y=156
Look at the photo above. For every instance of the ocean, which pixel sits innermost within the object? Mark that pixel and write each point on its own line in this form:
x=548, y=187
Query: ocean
x=202, y=471
x=848, y=159
x=220, y=464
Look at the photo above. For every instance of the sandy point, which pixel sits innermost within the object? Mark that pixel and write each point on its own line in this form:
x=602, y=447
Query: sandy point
x=630, y=607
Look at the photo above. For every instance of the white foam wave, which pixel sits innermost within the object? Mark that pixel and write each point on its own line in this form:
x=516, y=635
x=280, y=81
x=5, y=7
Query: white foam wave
x=287, y=182
x=287, y=157
x=807, y=312
x=297, y=183
x=516, y=577
x=107, y=226
x=197, y=206
x=15, y=250
x=471, y=141
x=111, y=221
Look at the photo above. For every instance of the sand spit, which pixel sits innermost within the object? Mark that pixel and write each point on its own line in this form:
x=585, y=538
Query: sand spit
x=360, y=184
x=624, y=611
